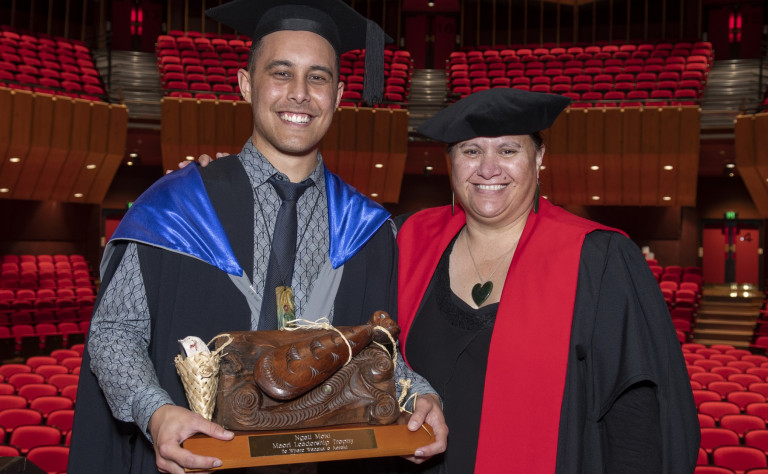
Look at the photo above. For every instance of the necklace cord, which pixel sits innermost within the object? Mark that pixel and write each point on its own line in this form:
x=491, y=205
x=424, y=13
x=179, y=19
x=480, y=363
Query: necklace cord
x=469, y=250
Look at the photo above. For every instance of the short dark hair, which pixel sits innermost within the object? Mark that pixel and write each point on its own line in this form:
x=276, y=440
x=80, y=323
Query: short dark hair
x=538, y=140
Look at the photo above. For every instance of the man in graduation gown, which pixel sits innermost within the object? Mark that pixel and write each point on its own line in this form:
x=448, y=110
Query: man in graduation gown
x=195, y=253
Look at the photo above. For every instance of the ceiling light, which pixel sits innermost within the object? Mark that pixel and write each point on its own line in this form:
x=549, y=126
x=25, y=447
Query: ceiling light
x=595, y=198
x=669, y=168
x=594, y=167
x=78, y=195
x=129, y=163
x=90, y=167
x=378, y=165
x=730, y=166
x=15, y=159
x=430, y=4
x=4, y=190
x=190, y=158
x=133, y=155
x=429, y=167
x=374, y=194
x=666, y=198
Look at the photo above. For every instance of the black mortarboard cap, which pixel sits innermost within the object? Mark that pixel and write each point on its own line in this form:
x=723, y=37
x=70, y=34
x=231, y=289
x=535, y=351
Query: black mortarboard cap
x=334, y=20
x=493, y=113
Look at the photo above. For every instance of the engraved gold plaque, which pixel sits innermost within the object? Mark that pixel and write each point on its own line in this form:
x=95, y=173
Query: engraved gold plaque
x=269, y=448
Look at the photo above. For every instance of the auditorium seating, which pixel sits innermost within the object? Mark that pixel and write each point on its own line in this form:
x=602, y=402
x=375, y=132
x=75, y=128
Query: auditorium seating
x=198, y=67
x=36, y=418
x=50, y=65
x=732, y=408
x=606, y=76
x=46, y=302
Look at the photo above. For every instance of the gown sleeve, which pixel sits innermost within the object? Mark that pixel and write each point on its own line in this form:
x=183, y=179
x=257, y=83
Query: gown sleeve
x=626, y=384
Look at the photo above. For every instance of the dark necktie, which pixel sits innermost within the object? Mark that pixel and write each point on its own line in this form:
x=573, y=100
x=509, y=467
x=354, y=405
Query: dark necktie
x=283, y=253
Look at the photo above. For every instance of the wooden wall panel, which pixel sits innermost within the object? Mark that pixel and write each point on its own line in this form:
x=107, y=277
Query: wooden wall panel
x=649, y=148
x=593, y=156
x=97, y=150
x=363, y=148
x=382, y=128
x=39, y=144
x=554, y=184
x=20, y=125
x=356, y=140
x=224, y=130
x=689, y=138
x=170, y=132
x=631, y=156
x=57, y=155
x=189, y=128
x=749, y=158
x=630, y=146
x=329, y=145
x=669, y=155
x=397, y=153
x=6, y=104
x=55, y=137
x=345, y=167
x=78, y=150
x=118, y=123
x=243, y=126
x=612, y=160
x=577, y=149
x=195, y=127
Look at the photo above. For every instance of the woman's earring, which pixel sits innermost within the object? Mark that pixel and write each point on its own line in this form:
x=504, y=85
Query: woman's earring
x=453, y=203
x=536, y=200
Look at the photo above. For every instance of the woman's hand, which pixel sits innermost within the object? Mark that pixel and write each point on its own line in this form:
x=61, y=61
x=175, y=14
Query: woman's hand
x=428, y=409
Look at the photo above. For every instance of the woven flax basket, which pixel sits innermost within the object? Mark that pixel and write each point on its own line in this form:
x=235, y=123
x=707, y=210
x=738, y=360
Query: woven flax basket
x=200, y=375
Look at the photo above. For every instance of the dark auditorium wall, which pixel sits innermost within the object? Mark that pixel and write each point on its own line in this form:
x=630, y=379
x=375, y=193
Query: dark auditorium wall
x=34, y=227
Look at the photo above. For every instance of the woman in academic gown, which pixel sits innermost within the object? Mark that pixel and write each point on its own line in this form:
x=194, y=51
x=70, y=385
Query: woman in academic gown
x=545, y=334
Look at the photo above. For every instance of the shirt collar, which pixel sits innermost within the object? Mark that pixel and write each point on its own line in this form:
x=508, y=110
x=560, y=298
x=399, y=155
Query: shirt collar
x=259, y=169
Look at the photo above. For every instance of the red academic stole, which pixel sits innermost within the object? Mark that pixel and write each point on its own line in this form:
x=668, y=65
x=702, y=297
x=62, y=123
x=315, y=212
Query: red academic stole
x=525, y=378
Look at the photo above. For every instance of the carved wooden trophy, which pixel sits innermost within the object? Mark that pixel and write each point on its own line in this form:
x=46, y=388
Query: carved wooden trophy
x=309, y=394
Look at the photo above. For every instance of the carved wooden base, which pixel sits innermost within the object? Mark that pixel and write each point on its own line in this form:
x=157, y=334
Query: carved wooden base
x=268, y=448
x=362, y=391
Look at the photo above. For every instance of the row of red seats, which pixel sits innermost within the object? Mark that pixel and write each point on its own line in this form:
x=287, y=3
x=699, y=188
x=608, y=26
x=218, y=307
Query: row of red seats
x=26, y=340
x=41, y=64
x=44, y=271
x=42, y=429
x=78, y=315
x=676, y=80
x=730, y=389
x=42, y=258
x=201, y=67
x=206, y=68
x=42, y=295
x=398, y=70
x=599, y=49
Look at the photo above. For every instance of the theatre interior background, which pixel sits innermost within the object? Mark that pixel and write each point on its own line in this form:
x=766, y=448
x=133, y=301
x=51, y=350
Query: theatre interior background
x=666, y=138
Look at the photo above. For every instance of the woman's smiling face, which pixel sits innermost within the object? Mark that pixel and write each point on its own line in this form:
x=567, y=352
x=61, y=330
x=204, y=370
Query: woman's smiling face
x=494, y=178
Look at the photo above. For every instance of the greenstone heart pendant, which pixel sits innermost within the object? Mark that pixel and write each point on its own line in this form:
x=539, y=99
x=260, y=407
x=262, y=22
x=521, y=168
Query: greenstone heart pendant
x=480, y=293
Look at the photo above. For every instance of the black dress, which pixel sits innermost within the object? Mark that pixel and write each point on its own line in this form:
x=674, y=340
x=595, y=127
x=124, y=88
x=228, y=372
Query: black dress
x=456, y=367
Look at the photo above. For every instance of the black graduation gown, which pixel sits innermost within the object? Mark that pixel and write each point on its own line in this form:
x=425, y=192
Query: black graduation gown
x=188, y=297
x=620, y=327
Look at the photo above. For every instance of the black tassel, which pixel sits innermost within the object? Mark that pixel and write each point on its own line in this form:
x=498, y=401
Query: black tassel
x=373, y=88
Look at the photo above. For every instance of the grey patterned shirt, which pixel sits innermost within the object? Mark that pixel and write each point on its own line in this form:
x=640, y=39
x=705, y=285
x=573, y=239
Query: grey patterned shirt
x=120, y=327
